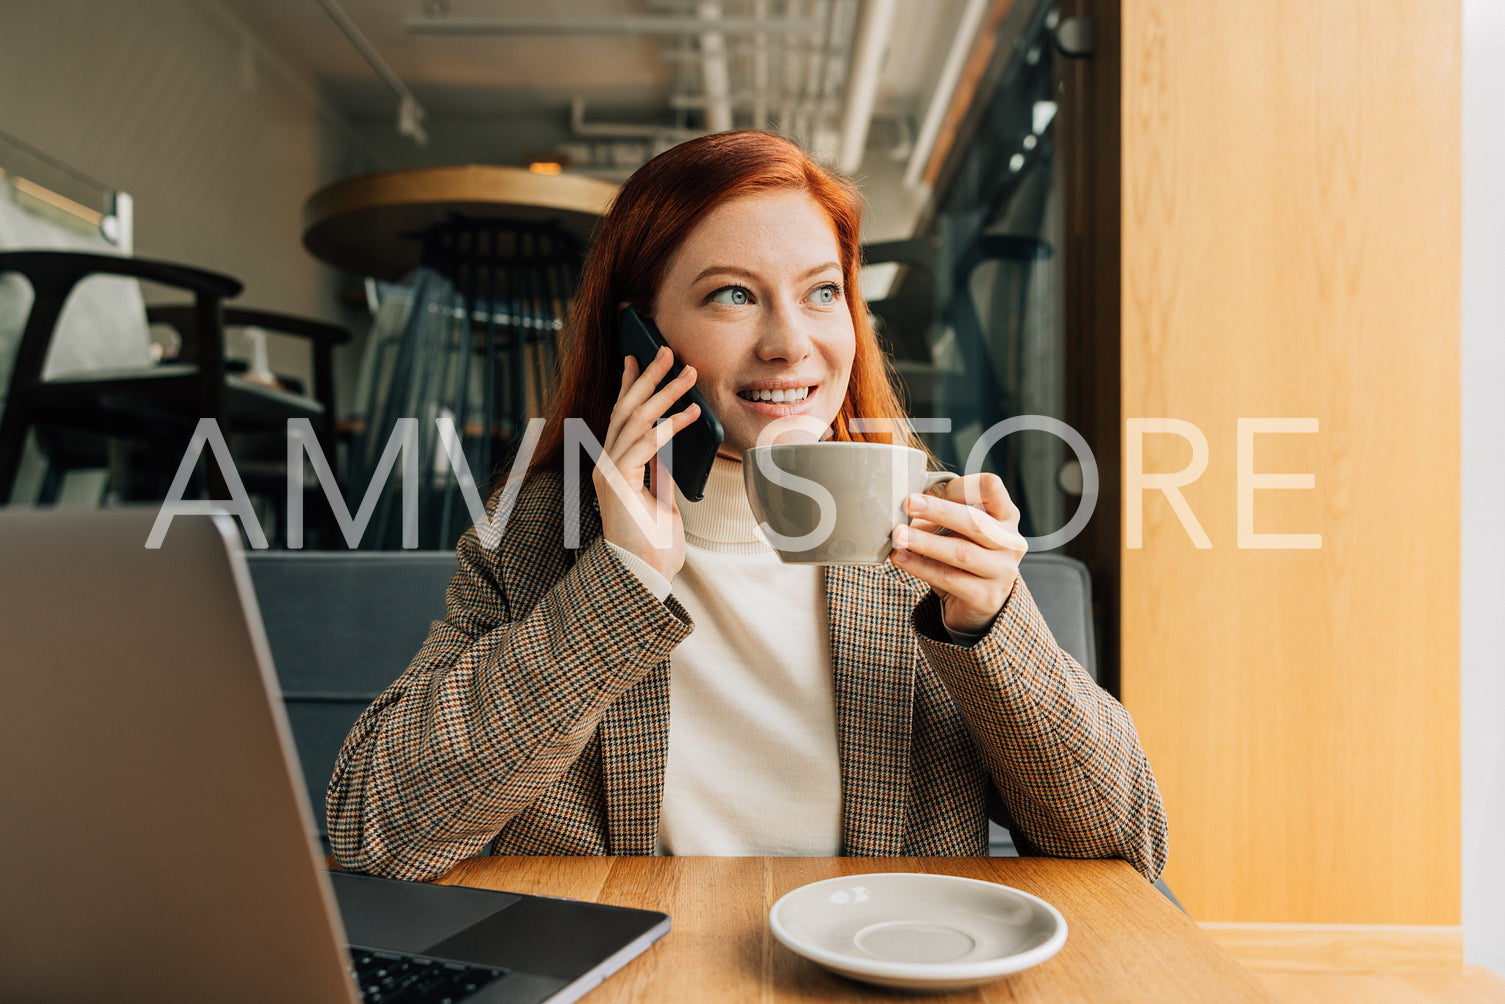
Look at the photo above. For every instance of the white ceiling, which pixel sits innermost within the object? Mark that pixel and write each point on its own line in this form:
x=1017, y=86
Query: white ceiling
x=459, y=74
x=525, y=82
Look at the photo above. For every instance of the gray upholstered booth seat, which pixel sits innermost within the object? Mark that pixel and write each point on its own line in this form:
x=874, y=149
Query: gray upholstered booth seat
x=1062, y=589
x=342, y=625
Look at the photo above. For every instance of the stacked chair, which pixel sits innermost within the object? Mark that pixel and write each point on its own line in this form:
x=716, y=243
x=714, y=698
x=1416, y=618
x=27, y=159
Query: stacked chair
x=137, y=420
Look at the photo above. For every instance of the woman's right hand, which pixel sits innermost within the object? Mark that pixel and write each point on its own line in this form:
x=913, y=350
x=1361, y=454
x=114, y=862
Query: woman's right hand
x=631, y=516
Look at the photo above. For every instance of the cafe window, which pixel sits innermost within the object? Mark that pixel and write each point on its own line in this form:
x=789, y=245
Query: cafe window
x=996, y=321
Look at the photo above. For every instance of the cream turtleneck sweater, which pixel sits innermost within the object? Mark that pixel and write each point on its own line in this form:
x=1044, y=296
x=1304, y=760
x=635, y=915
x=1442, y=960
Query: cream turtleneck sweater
x=753, y=766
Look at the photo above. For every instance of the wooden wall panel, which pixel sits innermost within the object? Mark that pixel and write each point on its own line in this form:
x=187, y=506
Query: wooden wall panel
x=1290, y=185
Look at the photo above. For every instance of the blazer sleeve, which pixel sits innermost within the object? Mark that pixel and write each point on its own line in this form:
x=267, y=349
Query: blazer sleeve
x=496, y=705
x=1062, y=753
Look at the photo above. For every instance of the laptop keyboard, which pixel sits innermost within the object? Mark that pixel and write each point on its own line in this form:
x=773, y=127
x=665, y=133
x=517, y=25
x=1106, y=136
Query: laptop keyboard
x=389, y=978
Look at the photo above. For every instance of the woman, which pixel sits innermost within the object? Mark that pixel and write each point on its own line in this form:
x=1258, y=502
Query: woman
x=637, y=694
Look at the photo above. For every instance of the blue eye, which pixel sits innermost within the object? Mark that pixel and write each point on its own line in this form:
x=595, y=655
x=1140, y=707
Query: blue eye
x=828, y=293
x=734, y=296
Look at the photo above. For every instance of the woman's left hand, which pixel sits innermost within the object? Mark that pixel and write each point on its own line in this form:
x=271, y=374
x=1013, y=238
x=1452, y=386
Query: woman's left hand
x=973, y=566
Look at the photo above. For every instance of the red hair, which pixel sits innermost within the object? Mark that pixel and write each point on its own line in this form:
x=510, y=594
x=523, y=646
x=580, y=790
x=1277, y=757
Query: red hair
x=649, y=219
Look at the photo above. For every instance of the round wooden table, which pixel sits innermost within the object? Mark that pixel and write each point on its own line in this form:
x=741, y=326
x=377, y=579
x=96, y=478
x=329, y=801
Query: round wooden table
x=374, y=224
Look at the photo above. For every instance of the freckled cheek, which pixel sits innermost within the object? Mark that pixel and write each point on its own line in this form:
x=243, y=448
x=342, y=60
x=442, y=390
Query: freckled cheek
x=841, y=356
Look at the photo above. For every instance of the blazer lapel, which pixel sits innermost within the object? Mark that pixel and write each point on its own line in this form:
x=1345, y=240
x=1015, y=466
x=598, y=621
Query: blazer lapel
x=873, y=656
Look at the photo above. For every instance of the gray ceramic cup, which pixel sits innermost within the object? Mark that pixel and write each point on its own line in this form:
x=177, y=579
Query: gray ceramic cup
x=833, y=503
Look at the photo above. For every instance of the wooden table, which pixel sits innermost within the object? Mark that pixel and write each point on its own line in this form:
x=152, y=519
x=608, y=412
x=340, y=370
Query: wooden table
x=1126, y=942
x=371, y=225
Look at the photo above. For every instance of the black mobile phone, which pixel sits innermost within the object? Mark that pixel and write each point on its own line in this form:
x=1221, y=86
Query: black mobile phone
x=694, y=447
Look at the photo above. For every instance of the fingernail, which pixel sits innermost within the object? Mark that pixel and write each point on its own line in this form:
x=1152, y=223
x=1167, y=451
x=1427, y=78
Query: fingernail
x=917, y=503
x=901, y=556
x=901, y=536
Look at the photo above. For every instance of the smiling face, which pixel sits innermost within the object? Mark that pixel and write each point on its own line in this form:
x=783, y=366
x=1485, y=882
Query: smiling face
x=754, y=300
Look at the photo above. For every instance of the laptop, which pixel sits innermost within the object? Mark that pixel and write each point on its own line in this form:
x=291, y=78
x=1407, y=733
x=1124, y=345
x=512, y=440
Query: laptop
x=155, y=836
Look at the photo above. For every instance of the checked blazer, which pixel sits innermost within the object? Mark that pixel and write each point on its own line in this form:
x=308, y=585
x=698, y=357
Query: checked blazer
x=535, y=718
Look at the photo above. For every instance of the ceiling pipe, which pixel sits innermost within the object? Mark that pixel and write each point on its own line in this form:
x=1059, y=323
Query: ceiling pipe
x=877, y=20
x=664, y=25
x=410, y=113
x=715, y=69
x=940, y=100
x=789, y=61
x=625, y=130
x=739, y=99
x=760, y=69
x=835, y=66
x=807, y=110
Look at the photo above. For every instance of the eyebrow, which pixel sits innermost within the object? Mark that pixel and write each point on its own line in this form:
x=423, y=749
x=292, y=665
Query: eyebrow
x=745, y=274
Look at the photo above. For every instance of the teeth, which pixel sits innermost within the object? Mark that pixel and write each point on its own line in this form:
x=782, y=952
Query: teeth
x=778, y=396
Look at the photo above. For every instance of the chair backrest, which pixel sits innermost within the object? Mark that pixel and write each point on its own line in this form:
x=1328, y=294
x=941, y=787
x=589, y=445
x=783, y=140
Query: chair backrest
x=1062, y=588
x=342, y=625
x=103, y=325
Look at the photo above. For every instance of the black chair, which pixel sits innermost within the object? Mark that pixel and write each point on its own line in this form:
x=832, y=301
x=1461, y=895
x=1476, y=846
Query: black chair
x=155, y=406
x=322, y=339
x=341, y=626
x=259, y=448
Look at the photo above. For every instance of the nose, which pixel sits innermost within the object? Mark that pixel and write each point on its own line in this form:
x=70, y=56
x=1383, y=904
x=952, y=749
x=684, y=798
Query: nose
x=782, y=336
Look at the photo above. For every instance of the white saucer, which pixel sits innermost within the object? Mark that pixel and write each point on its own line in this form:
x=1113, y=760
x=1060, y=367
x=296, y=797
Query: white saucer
x=919, y=932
